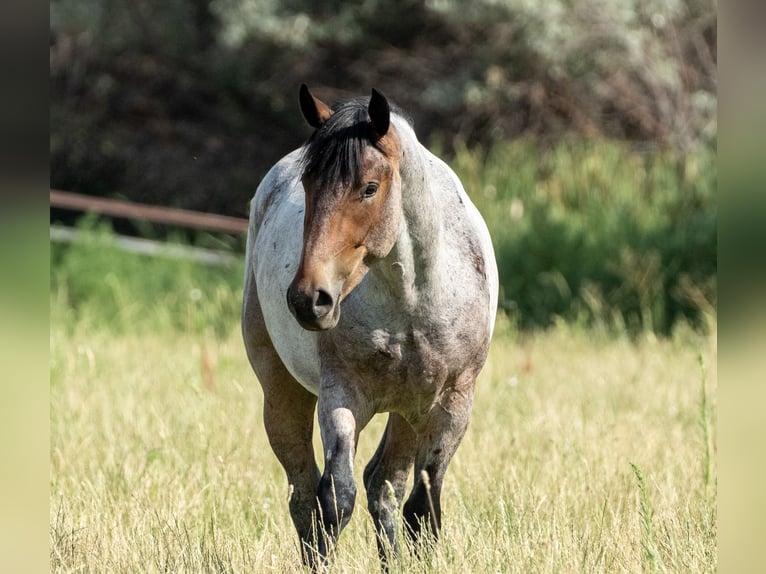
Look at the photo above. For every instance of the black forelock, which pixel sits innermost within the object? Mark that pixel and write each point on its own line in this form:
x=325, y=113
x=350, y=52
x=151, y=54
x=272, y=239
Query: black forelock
x=334, y=153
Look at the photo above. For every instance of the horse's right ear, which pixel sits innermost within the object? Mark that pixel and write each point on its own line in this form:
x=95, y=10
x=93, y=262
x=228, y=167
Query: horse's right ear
x=314, y=110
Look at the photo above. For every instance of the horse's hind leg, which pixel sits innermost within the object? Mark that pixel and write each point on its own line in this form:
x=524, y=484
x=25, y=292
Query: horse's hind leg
x=436, y=444
x=288, y=415
x=389, y=466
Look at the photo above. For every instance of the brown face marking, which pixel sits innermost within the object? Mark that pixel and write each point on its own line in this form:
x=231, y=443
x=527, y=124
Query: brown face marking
x=342, y=226
x=350, y=176
x=345, y=224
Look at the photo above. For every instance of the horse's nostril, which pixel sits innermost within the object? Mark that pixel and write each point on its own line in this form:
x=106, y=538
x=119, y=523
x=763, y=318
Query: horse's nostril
x=313, y=308
x=322, y=302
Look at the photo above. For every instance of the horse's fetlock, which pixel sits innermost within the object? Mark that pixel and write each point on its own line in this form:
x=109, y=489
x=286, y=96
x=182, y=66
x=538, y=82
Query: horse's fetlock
x=337, y=502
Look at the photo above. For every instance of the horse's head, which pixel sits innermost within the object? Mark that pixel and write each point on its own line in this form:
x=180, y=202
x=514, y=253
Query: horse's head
x=350, y=174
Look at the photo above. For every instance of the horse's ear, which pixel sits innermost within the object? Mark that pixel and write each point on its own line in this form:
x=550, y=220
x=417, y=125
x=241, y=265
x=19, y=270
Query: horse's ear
x=314, y=110
x=379, y=112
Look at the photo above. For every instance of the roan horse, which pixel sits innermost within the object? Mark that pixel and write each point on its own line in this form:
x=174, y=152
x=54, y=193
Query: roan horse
x=370, y=287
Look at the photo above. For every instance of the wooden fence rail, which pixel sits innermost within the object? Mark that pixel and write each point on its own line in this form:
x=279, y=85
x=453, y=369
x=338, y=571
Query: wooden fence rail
x=153, y=213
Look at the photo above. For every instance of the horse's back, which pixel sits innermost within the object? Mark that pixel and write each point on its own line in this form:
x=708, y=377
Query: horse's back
x=468, y=237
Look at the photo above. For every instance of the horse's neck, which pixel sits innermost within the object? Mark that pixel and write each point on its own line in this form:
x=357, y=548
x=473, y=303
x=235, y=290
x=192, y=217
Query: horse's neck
x=413, y=260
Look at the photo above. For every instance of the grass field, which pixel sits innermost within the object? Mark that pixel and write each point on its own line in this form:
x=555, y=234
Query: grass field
x=586, y=453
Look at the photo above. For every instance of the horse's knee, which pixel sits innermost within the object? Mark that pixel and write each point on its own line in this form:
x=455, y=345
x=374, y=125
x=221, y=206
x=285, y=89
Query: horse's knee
x=380, y=509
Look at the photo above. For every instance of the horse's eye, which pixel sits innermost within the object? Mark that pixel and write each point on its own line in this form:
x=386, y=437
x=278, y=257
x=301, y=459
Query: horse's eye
x=370, y=190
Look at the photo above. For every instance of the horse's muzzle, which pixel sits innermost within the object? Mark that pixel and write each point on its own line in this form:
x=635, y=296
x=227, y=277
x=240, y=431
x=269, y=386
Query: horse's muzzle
x=314, y=309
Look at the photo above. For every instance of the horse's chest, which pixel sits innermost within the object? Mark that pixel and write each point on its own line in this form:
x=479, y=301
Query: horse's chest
x=411, y=356
x=401, y=370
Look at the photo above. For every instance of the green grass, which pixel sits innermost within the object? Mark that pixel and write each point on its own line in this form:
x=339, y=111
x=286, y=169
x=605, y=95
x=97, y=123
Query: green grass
x=592, y=442
x=94, y=283
x=159, y=461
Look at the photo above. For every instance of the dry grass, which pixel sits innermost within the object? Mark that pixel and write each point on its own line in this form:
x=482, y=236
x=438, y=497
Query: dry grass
x=585, y=454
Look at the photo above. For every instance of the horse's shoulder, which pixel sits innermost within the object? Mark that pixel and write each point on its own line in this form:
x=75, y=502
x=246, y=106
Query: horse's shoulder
x=282, y=172
x=275, y=185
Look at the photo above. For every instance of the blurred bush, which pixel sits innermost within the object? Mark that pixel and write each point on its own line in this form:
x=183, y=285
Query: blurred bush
x=593, y=233
x=188, y=102
x=598, y=232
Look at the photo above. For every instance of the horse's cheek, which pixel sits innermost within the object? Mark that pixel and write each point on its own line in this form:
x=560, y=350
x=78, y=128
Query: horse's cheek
x=383, y=236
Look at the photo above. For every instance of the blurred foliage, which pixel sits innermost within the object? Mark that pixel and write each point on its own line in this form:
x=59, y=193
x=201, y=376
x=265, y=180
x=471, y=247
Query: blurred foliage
x=596, y=232
x=585, y=131
x=188, y=102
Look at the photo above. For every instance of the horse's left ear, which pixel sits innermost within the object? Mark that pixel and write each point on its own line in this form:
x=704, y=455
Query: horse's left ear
x=379, y=112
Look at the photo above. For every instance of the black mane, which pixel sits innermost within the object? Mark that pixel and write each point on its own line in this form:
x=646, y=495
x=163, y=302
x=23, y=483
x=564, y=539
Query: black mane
x=334, y=153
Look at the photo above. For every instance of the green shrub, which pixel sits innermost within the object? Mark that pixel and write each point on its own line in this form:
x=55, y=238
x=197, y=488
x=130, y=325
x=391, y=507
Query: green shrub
x=596, y=231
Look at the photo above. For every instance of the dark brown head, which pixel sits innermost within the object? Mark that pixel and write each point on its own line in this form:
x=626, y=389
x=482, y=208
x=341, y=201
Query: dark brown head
x=350, y=174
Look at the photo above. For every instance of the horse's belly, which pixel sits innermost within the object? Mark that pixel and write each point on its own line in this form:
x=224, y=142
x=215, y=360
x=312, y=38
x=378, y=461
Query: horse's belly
x=277, y=250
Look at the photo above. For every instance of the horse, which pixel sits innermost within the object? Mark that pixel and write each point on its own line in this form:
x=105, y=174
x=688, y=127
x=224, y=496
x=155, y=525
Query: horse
x=370, y=287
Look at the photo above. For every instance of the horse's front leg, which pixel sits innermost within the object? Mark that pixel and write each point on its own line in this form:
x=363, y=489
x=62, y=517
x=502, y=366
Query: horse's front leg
x=342, y=416
x=437, y=442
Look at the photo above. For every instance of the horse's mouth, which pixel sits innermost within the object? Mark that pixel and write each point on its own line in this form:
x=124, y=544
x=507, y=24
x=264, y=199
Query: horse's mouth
x=324, y=324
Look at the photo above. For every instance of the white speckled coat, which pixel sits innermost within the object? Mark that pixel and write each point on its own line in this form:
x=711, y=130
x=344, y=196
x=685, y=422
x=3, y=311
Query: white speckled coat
x=408, y=338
